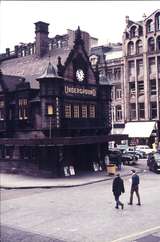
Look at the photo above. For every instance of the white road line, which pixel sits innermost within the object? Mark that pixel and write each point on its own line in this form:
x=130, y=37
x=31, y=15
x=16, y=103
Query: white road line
x=136, y=234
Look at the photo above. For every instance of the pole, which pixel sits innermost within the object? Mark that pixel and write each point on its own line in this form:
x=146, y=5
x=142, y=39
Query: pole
x=50, y=127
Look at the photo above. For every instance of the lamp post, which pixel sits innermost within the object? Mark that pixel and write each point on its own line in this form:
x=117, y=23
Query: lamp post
x=50, y=114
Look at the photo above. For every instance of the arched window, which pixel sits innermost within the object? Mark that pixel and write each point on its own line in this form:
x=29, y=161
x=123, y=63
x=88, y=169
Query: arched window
x=140, y=31
x=151, y=44
x=130, y=48
x=157, y=21
x=139, y=47
x=133, y=31
x=158, y=43
x=118, y=113
x=150, y=26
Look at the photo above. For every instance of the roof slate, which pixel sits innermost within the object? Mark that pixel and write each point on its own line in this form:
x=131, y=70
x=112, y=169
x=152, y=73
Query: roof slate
x=31, y=67
x=10, y=82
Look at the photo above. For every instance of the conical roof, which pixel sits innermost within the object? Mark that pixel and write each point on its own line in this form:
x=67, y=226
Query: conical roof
x=49, y=72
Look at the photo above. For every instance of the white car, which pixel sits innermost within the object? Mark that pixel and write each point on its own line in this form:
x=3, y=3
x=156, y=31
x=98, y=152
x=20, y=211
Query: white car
x=144, y=148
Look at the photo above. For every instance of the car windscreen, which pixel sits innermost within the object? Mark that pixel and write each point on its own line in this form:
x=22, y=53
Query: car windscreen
x=157, y=156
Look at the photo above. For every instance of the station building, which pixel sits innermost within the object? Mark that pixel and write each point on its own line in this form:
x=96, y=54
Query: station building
x=55, y=110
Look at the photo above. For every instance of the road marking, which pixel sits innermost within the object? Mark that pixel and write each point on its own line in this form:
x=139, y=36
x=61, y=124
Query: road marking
x=136, y=234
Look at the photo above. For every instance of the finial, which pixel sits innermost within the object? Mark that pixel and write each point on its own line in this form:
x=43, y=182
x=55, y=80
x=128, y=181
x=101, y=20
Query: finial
x=78, y=33
x=144, y=16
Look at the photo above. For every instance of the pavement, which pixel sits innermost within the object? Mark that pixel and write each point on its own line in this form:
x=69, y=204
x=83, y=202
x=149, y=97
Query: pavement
x=20, y=181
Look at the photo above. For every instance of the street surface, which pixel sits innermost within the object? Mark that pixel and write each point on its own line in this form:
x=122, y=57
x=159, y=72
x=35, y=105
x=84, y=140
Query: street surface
x=82, y=214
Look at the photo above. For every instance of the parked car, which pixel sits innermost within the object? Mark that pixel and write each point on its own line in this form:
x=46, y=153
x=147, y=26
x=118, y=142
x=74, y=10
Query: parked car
x=144, y=148
x=129, y=158
x=115, y=156
x=139, y=153
x=153, y=162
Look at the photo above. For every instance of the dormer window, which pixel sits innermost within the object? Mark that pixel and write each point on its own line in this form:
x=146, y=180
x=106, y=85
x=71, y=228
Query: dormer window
x=133, y=32
x=150, y=26
x=23, y=108
x=158, y=21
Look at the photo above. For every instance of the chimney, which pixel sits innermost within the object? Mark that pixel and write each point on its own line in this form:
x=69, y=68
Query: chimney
x=8, y=51
x=16, y=50
x=86, y=39
x=41, y=32
x=84, y=35
x=127, y=19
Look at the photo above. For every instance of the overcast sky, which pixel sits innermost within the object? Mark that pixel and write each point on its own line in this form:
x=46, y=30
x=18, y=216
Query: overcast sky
x=104, y=20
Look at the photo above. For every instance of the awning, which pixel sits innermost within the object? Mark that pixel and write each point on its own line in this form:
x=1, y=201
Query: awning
x=139, y=129
x=117, y=131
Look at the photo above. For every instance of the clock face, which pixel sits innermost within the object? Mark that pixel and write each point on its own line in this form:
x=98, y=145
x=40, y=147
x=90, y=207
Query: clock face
x=80, y=75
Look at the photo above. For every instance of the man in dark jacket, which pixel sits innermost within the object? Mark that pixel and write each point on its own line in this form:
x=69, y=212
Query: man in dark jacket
x=134, y=188
x=117, y=189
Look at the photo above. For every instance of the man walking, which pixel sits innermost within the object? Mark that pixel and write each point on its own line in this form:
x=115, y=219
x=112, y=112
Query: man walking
x=134, y=188
x=117, y=189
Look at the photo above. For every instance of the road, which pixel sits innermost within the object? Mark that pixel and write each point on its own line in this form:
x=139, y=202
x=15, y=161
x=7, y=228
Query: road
x=82, y=214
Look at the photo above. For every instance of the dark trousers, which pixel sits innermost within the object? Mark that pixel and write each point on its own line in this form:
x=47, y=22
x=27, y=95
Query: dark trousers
x=136, y=190
x=117, y=200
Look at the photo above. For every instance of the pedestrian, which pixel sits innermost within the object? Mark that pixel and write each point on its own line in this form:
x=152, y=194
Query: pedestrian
x=117, y=189
x=134, y=188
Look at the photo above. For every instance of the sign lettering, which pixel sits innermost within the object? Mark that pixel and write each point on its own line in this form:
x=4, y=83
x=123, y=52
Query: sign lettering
x=80, y=90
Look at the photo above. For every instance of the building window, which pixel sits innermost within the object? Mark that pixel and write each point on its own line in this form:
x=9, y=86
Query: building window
x=131, y=69
x=153, y=110
x=139, y=47
x=140, y=87
x=109, y=75
x=23, y=108
x=158, y=43
x=133, y=111
x=130, y=48
x=118, y=93
x=158, y=21
x=150, y=26
x=141, y=110
x=112, y=94
x=67, y=111
x=1, y=110
x=132, y=89
x=93, y=59
x=140, y=31
x=92, y=111
x=158, y=63
x=117, y=74
x=50, y=110
x=133, y=32
x=153, y=87
x=84, y=111
x=76, y=111
x=152, y=66
x=140, y=67
x=151, y=44
x=118, y=113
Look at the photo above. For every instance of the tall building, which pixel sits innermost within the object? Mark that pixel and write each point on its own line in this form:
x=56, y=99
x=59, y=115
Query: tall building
x=133, y=68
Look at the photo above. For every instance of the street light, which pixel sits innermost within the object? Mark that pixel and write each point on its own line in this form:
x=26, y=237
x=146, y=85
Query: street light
x=50, y=114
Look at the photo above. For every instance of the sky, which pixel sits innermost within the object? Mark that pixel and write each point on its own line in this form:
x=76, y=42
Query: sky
x=104, y=20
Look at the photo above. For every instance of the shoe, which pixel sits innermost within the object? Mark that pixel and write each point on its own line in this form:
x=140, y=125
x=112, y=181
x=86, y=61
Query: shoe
x=117, y=207
x=139, y=204
x=129, y=203
x=122, y=206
